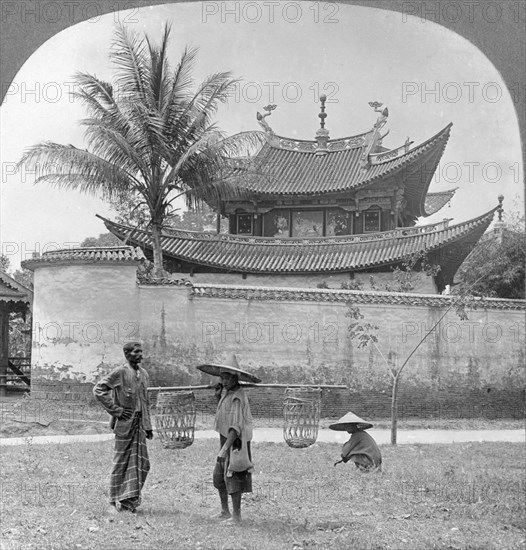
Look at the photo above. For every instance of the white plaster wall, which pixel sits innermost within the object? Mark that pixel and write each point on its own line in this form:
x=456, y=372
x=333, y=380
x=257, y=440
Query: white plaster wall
x=82, y=315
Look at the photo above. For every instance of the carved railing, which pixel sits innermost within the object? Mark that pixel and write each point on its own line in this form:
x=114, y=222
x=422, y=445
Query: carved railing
x=382, y=235
x=21, y=369
x=306, y=146
x=378, y=158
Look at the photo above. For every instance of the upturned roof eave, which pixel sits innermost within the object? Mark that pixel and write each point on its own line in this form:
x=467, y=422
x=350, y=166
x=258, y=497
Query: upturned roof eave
x=447, y=196
x=19, y=291
x=404, y=162
x=267, y=262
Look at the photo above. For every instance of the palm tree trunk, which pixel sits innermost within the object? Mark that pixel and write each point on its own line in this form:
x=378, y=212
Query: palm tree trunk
x=157, y=251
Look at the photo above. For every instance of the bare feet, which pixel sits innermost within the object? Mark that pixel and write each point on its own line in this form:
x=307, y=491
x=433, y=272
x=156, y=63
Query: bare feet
x=225, y=514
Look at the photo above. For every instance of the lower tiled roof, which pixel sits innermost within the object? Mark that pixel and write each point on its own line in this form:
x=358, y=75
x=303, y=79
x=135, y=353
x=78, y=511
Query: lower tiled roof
x=232, y=292
x=106, y=254
x=235, y=253
x=12, y=291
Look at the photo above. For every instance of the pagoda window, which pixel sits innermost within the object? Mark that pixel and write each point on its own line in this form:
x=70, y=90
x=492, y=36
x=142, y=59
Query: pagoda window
x=371, y=220
x=276, y=223
x=307, y=223
x=244, y=224
x=339, y=222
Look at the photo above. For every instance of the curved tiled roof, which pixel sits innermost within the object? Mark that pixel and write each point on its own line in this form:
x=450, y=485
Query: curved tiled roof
x=105, y=254
x=246, y=292
x=12, y=291
x=280, y=170
x=235, y=253
x=436, y=201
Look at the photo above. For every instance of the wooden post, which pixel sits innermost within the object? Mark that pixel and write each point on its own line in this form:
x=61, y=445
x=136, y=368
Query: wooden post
x=4, y=348
x=249, y=385
x=218, y=218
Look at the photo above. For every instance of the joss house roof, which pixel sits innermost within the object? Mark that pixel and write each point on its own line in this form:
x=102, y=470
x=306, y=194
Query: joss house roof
x=266, y=255
x=349, y=175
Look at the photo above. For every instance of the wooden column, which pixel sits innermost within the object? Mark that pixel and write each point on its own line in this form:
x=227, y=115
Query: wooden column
x=218, y=218
x=4, y=347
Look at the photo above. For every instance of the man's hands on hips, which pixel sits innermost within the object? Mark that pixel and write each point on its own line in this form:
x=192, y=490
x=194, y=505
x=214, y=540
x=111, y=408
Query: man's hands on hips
x=126, y=414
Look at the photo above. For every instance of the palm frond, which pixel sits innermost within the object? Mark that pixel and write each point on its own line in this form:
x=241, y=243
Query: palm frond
x=180, y=94
x=113, y=147
x=129, y=55
x=159, y=81
x=65, y=166
x=93, y=88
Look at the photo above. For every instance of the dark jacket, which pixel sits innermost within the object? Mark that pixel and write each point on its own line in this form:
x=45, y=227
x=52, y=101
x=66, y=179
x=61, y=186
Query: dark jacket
x=361, y=443
x=117, y=390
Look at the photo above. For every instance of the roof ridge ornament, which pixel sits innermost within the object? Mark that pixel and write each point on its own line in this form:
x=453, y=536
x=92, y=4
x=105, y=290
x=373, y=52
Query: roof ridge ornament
x=261, y=118
x=374, y=139
x=322, y=134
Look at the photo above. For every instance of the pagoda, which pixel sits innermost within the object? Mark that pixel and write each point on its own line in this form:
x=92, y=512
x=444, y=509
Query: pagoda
x=343, y=206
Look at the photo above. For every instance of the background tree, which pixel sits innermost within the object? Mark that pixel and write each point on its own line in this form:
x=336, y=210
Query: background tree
x=19, y=323
x=495, y=266
x=104, y=239
x=149, y=133
x=5, y=263
x=202, y=218
x=366, y=334
x=24, y=277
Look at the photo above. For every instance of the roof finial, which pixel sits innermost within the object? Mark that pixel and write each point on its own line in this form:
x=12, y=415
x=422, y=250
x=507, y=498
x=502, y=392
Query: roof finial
x=323, y=114
x=322, y=134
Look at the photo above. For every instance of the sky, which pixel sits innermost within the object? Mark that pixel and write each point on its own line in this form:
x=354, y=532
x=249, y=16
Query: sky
x=426, y=75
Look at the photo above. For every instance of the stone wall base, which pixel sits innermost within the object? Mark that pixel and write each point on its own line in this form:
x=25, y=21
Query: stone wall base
x=443, y=404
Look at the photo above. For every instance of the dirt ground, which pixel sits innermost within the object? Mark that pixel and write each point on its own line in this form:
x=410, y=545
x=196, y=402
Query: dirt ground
x=22, y=416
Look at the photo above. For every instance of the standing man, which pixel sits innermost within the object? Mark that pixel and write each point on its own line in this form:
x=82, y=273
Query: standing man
x=123, y=393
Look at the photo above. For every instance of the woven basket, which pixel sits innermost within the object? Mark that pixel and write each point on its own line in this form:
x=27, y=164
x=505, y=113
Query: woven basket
x=301, y=415
x=175, y=419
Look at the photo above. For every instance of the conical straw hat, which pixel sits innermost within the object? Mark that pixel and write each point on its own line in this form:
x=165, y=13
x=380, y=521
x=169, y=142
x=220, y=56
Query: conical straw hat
x=350, y=418
x=233, y=368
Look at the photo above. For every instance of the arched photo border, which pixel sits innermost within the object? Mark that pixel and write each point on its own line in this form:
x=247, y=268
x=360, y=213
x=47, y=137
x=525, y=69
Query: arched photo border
x=502, y=41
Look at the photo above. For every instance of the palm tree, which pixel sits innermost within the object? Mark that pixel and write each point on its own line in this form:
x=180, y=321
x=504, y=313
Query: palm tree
x=149, y=134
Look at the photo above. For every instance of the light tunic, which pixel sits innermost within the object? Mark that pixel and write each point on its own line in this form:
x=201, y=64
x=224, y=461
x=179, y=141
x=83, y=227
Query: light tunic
x=233, y=411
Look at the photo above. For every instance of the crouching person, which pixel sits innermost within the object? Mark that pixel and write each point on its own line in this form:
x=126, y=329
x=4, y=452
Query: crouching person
x=361, y=448
x=123, y=393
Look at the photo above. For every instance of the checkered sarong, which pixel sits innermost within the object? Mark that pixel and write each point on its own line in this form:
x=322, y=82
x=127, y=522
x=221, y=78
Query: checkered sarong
x=130, y=466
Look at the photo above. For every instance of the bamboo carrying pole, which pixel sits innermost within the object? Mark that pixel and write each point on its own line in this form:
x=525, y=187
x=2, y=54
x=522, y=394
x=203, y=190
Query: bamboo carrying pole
x=249, y=385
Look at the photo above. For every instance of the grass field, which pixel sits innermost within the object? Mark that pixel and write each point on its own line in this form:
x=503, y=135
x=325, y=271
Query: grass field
x=468, y=496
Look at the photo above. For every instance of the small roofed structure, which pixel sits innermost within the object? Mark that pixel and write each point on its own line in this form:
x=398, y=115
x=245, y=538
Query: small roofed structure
x=328, y=206
x=14, y=298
